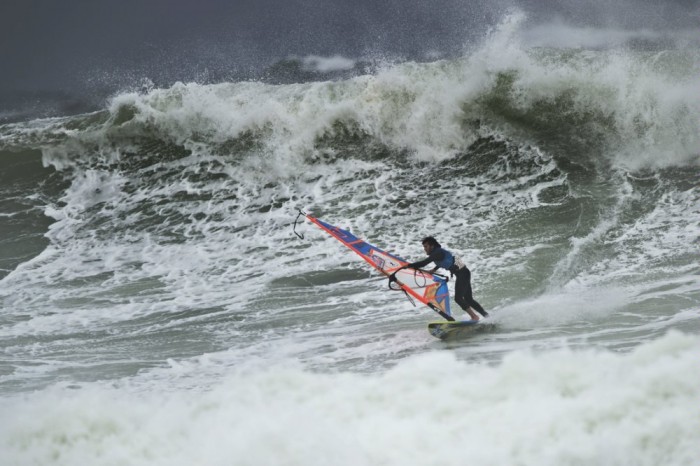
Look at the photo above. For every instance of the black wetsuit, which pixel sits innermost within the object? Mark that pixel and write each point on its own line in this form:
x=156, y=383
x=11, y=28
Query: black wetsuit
x=463, y=291
x=463, y=286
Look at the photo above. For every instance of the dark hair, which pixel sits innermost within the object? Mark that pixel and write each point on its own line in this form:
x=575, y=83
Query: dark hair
x=431, y=241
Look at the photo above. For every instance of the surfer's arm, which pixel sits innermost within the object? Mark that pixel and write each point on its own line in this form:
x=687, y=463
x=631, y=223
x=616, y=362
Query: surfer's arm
x=420, y=264
x=414, y=265
x=435, y=256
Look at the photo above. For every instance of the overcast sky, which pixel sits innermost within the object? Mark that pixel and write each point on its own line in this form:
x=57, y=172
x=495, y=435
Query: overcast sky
x=50, y=44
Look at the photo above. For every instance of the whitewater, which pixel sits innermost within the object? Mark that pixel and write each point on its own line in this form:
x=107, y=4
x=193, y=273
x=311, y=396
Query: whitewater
x=157, y=308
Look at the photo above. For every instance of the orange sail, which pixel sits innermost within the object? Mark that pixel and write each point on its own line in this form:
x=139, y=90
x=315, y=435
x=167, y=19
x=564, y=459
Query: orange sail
x=426, y=287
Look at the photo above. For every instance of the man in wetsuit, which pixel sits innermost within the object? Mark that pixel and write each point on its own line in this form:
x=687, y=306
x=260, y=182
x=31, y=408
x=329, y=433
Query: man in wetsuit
x=444, y=259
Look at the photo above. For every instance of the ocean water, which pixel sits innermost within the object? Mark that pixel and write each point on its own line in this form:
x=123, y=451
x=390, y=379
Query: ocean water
x=157, y=308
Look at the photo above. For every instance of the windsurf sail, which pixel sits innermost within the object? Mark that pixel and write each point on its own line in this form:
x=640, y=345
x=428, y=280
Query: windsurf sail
x=428, y=288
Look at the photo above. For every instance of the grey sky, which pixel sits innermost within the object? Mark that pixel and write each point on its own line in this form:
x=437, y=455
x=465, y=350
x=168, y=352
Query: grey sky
x=49, y=44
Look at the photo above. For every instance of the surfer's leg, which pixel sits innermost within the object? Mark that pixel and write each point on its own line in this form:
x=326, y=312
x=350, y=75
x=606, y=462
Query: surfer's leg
x=471, y=302
x=463, y=293
x=465, y=307
x=459, y=299
x=476, y=306
x=459, y=291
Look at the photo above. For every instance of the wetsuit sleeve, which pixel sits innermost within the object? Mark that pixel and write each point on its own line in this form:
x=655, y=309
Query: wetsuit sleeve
x=434, y=256
x=419, y=264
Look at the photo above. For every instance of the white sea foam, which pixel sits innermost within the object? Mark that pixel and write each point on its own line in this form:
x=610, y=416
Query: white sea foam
x=328, y=64
x=648, y=101
x=553, y=408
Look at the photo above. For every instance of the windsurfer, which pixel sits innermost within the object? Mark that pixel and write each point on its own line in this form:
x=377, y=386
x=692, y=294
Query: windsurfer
x=444, y=259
